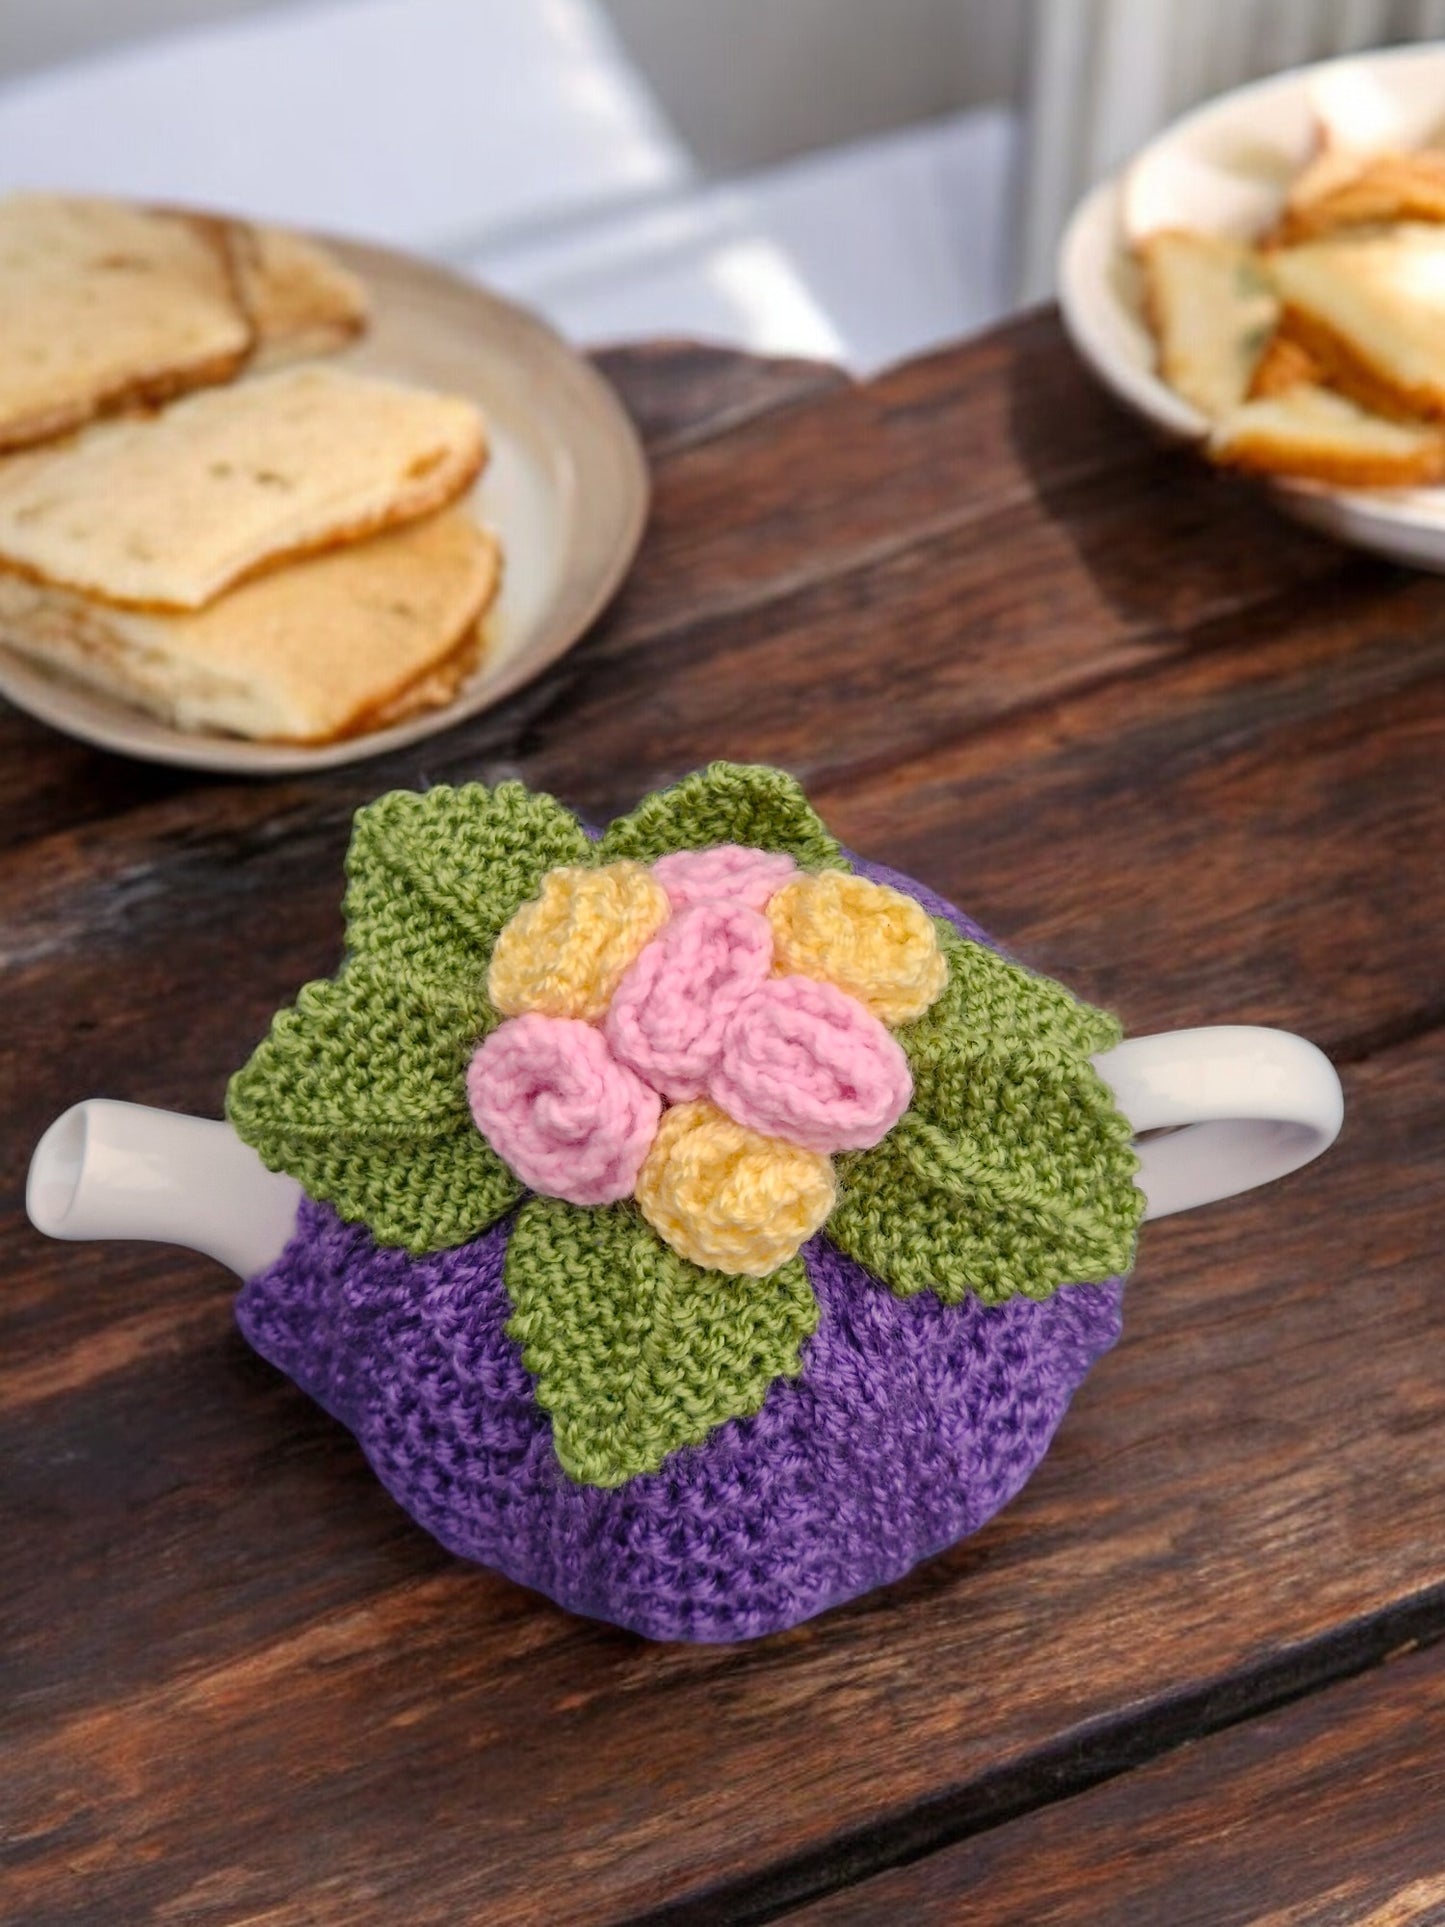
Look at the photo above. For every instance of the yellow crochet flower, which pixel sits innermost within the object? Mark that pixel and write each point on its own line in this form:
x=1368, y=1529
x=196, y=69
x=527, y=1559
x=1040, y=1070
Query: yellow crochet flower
x=564, y=953
x=870, y=941
x=726, y=1198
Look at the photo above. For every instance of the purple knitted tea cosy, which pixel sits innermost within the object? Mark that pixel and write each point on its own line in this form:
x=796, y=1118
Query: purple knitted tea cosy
x=895, y=1419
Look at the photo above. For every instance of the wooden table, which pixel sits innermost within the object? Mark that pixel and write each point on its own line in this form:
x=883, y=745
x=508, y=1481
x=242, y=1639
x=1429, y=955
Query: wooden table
x=1185, y=757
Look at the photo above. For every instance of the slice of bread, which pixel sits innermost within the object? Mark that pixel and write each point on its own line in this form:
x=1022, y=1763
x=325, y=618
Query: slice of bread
x=1369, y=305
x=1311, y=434
x=432, y=689
x=1285, y=364
x=168, y=511
x=1212, y=310
x=102, y=304
x=1382, y=188
x=1332, y=166
x=298, y=297
x=305, y=654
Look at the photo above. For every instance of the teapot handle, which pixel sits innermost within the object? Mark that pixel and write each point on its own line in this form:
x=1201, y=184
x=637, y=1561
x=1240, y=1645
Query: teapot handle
x=1235, y=1106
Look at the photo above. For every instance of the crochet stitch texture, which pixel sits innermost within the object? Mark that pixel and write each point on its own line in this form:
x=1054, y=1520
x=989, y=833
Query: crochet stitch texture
x=650, y=1330
x=910, y=1424
x=693, y=1003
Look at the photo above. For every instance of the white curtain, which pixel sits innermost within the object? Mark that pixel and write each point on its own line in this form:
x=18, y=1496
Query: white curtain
x=1106, y=74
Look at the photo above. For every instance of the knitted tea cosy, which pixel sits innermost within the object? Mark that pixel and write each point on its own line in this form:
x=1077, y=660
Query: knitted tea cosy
x=703, y=1225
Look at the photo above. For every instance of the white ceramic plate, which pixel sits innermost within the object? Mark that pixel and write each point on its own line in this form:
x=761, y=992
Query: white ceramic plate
x=565, y=489
x=1224, y=169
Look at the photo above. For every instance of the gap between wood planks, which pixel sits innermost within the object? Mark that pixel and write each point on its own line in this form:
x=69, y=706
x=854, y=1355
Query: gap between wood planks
x=1329, y=1809
x=1104, y=1751
x=1062, y=1773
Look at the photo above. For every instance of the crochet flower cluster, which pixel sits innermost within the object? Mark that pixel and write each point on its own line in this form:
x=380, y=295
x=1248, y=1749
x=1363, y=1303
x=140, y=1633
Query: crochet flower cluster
x=747, y=997
x=691, y=1044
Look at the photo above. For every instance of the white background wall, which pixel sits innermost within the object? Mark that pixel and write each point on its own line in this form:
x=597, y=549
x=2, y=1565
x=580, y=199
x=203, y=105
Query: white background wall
x=38, y=33
x=752, y=81
x=744, y=81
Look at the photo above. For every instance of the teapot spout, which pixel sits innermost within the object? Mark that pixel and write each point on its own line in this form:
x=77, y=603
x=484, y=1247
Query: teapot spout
x=111, y=1170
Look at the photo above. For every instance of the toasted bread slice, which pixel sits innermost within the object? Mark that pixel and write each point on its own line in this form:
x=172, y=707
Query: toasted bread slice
x=1332, y=166
x=1311, y=434
x=303, y=655
x=1381, y=189
x=102, y=304
x=1285, y=364
x=1212, y=311
x=169, y=511
x=299, y=298
x=1369, y=304
x=432, y=689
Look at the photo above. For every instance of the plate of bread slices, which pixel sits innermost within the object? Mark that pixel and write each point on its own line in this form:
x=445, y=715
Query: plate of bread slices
x=271, y=503
x=1267, y=281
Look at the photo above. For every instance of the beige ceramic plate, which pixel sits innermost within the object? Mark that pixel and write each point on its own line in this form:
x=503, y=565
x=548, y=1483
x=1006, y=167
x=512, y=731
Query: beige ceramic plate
x=565, y=490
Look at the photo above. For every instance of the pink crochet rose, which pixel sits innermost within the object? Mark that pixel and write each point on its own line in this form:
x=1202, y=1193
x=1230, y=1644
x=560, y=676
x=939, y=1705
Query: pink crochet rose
x=570, y=1120
x=670, y=1011
x=727, y=874
x=803, y=1061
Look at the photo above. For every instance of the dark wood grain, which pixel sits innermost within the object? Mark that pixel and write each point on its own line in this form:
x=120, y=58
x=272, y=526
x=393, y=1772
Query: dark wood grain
x=679, y=392
x=261, y=1666
x=1249, y=833
x=1328, y=1814
x=1170, y=748
x=979, y=515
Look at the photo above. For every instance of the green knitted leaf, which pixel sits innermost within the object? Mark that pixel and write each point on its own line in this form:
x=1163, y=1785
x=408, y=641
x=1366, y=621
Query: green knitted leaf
x=432, y=877
x=635, y=1351
x=359, y=1093
x=746, y=803
x=1012, y=1172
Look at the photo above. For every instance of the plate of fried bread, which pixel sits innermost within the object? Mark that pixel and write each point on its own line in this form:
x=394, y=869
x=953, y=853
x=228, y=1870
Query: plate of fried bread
x=271, y=502
x=1267, y=281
